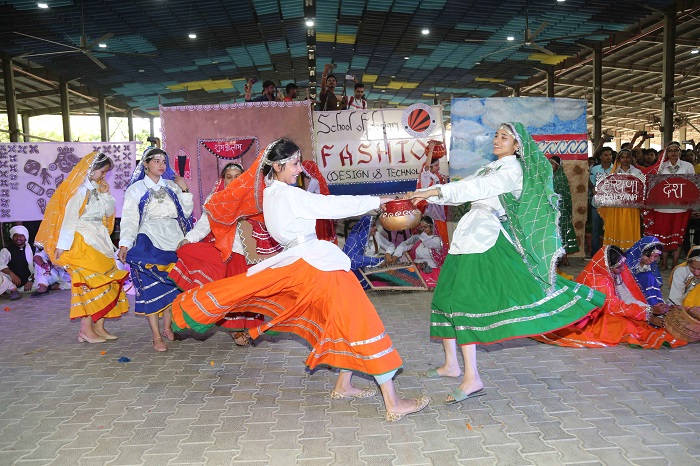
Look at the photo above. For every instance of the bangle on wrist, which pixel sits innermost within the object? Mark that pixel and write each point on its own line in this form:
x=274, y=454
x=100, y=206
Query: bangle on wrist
x=186, y=190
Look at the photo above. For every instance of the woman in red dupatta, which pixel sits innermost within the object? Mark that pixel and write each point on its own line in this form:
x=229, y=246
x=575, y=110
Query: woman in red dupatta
x=623, y=317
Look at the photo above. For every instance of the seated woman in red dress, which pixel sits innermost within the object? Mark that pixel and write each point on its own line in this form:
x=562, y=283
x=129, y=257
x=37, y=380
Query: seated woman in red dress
x=626, y=316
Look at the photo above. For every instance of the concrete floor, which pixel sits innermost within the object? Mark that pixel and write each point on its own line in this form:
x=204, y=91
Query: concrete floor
x=208, y=402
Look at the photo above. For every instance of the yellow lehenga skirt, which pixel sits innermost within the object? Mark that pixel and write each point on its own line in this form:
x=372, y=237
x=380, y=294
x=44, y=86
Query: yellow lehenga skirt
x=97, y=288
x=622, y=226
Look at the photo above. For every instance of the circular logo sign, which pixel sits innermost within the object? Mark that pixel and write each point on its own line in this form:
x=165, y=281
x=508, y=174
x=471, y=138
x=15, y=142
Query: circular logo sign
x=419, y=120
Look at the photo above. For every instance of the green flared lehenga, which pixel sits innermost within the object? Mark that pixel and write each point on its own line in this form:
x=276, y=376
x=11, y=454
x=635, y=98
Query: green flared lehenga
x=511, y=289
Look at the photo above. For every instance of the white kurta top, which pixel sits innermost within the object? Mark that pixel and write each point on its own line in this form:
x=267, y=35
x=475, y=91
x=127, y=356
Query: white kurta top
x=202, y=228
x=681, y=274
x=427, y=179
x=478, y=230
x=681, y=168
x=383, y=246
x=160, y=218
x=89, y=223
x=631, y=171
x=290, y=217
x=423, y=251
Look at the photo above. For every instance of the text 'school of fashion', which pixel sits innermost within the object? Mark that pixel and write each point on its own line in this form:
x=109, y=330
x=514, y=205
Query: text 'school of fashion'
x=195, y=275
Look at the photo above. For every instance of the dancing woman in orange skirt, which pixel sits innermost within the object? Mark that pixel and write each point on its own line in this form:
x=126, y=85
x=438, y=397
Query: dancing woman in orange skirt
x=308, y=289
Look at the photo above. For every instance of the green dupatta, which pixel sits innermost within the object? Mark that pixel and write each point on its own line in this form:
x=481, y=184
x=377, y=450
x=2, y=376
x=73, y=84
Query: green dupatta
x=566, y=225
x=534, y=218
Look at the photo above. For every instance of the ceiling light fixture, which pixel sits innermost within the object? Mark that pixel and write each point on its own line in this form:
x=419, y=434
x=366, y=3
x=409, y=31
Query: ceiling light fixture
x=560, y=1
x=510, y=38
x=405, y=58
x=309, y=22
x=42, y=5
x=425, y=31
x=694, y=51
x=192, y=35
x=102, y=45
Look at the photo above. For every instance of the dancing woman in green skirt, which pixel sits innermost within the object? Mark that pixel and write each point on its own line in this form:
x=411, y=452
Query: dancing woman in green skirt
x=499, y=280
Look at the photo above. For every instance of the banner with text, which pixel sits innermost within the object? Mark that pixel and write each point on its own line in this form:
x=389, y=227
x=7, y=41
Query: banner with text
x=376, y=151
x=30, y=172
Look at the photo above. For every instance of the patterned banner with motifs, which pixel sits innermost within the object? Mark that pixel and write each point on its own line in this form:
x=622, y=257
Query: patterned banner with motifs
x=30, y=172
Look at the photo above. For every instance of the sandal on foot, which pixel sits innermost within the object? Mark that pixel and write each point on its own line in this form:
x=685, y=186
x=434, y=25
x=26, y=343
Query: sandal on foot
x=365, y=393
x=433, y=374
x=106, y=336
x=242, y=338
x=458, y=396
x=421, y=403
x=159, y=346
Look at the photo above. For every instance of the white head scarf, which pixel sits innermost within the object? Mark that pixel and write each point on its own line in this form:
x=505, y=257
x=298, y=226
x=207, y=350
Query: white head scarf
x=22, y=230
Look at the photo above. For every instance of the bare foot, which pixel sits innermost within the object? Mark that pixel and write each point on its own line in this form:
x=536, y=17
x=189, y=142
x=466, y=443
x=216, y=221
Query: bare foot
x=159, y=346
x=444, y=371
x=169, y=334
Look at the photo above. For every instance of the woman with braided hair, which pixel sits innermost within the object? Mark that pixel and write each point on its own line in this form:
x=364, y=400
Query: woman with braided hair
x=499, y=279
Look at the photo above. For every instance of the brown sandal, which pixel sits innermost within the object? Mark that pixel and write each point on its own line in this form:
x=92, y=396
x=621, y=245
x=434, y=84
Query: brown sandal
x=242, y=338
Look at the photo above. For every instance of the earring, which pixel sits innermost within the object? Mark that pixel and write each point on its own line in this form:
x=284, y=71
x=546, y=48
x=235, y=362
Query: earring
x=145, y=169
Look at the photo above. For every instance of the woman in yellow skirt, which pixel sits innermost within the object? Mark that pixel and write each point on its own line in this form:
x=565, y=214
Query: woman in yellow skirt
x=75, y=234
x=622, y=224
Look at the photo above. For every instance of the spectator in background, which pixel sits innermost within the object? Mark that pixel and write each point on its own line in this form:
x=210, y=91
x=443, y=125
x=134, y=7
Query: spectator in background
x=47, y=276
x=268, y=95
x=357, y=100
x=292, y=90
x=605, y=167
x=566, y=224
x=17, y=263
x=669, y=225
x=328, y=99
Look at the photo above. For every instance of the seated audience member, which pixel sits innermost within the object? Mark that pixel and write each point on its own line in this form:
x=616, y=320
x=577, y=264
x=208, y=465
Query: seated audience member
x=626, y=316
x=684, y=281
x=17, y=263
x=48, y=276
x=366, y=247
x=643, y=262
x=427, y=251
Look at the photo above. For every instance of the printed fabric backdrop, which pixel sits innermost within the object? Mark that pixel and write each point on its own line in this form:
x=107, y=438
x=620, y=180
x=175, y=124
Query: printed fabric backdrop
x=376, y=151
x=201, y=139
x=558, y=126
x=30, y=172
